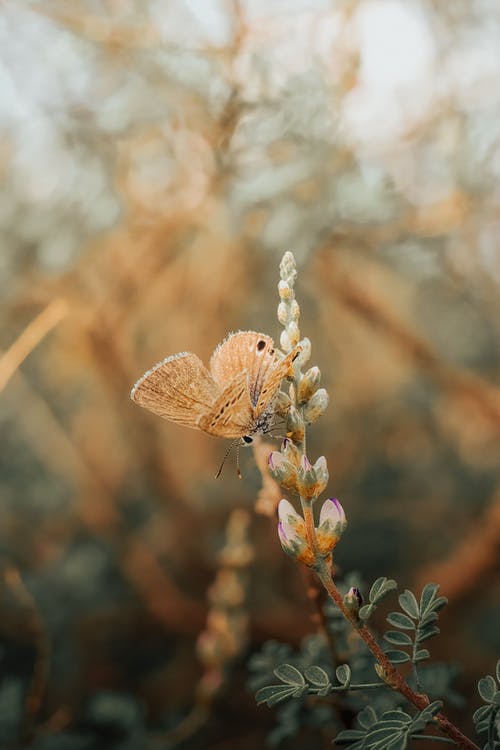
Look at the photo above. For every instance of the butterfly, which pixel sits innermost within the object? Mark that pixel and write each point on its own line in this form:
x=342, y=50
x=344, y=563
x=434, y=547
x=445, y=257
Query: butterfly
x=233, y=398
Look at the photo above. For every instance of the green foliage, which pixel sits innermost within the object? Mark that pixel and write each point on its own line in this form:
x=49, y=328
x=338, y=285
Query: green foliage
x=417, y=623
x=487, y=717
x=346, y=675
x=380, y=588
x=392, y=731
x=296, y=684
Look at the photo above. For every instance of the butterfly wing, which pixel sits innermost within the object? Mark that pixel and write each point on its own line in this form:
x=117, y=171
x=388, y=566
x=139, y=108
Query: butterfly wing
x=245, y=350
x=232, y=414
x=179, y=389
x=255, y=353
x=272, y=380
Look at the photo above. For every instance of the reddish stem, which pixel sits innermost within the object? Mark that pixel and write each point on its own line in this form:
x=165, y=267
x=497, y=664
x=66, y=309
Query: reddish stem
x=392, y=676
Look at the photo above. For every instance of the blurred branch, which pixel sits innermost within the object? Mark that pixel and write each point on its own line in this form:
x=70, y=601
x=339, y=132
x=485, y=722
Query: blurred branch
x=378, y=315
x=17, y=352
x=473, y=559
x=96, y=29
x=39, y=677
x=162, y=597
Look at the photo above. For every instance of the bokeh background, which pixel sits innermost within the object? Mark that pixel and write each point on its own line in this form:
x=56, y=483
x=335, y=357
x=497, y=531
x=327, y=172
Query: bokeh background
x=156, y=160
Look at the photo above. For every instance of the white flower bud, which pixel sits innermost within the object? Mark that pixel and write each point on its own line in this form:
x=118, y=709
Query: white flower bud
x=294, y=310
x=285, y=291
x=283, y=313
x=309, y=384
x=316, y=406
x=285, y=342
x=293, y=333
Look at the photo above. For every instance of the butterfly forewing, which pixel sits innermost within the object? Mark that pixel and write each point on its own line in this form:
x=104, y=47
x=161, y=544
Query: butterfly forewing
x=180, y=389
x=272, y=381
x=232, y=414
x=245, y=350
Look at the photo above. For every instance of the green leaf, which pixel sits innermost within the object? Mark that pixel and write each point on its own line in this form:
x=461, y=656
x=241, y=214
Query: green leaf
x=289, y=674
x=426, y=633
x=409, y=604
x=396, y=715
x=365, y=612
x=317, y=676
x=367, y=717
x=381, y=736
x=439, y=603
x=498, y=671
x=343, y=674
x=380, y=588
x=487, y=688
x=432, y=709
x=399, y=620
x=397, y=638
x=427, y=596
x=429, y=619
x=421, y=654
x=376, y=588
x=481, y=713
x=346, y=736
x=274, y=694
x=400, y=744
x=397, y=657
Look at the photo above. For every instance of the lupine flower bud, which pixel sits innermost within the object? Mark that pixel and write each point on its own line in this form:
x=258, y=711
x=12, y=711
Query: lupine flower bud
x=316, y=406
x=293, y=333
x=285, y=341
x=282, y=403
x=309, y=384
x=282, y=470
x=291, y=452
x=285, y=291
x=294, y=425
x=322, y=475
x=312, y=480
x=353, y=600
x=294, y=310
x=305, y=354
x=332, y=522
x=283, y=313
x=292, y=533
x=288, y=269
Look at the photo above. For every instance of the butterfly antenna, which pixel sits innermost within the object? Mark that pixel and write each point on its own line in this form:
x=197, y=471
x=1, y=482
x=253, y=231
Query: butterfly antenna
x=238, y=470
x=226, y=454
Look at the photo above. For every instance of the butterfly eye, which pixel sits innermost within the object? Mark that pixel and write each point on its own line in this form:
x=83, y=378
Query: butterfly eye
x=261, y=345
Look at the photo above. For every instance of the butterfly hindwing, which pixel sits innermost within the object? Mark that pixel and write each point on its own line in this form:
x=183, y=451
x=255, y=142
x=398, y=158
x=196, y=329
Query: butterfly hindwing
x=179, y=388
x=232, y=414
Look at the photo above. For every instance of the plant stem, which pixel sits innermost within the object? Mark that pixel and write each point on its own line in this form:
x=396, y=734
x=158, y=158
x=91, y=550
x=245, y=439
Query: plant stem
x=393, y=677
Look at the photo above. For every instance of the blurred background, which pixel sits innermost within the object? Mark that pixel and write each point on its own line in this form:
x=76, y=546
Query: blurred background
x=156, y=160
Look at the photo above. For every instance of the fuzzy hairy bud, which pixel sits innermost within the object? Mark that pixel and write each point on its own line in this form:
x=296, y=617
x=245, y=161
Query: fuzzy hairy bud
x=295, y=425
x=292, y=533
x=309, y=385
x=316, y=406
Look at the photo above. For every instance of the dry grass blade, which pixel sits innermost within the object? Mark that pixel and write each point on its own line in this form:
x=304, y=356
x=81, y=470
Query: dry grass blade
x=35, y=332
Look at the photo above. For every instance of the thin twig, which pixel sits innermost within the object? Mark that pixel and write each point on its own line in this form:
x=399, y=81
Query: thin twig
x=34, y=332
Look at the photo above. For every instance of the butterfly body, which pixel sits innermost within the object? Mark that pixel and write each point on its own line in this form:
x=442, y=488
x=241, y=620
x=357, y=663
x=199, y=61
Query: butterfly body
x=233, y=398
